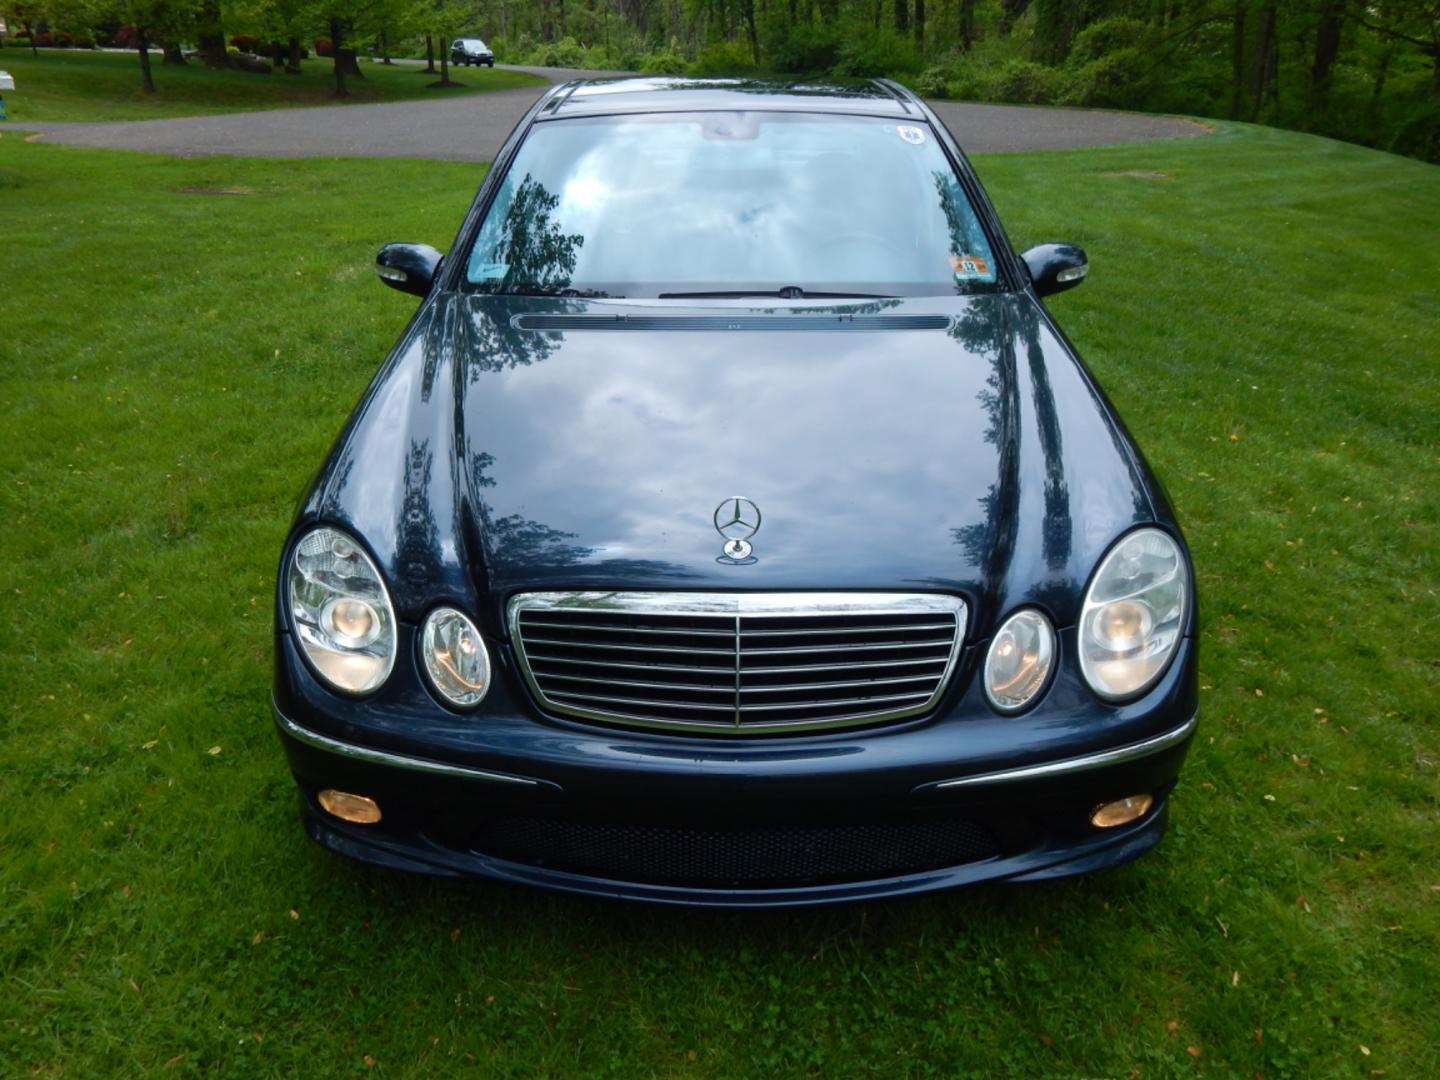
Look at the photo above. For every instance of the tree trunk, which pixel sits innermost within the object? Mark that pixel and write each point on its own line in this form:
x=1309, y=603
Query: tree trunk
x=336, y=36
x=292, y=64
x=210, y=35
x=444, y=65
x=1237, y=62
x=920, y=25
x=142, y=42
x=967, y=25
x=172, y=54
x=902, y=16
x=350, y=62
x=748, y=10
x=1327, y=50
x=1011, y=11
x=1262, y=64
x=384, y=47
x=429, y=54
x=1377, y=88
x=277, y=55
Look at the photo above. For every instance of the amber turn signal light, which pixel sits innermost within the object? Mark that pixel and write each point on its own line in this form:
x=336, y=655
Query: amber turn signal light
x=1121, y=811
x=354, y=808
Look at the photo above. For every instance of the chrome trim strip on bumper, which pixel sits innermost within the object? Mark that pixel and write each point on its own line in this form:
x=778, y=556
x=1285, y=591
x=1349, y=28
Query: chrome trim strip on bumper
x=1085, y=763
x=395, y=761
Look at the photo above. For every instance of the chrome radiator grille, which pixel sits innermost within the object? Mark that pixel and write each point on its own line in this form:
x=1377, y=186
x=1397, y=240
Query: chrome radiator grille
x=737, y=663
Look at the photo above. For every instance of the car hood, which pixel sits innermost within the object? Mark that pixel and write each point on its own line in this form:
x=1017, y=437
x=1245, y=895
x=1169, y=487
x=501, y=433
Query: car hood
x=952, y=445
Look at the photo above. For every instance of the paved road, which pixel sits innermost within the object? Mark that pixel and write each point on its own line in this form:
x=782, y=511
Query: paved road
x=472, y=127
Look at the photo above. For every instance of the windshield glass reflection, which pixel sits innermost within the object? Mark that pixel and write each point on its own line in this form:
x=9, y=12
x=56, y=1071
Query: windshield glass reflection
x=752, y=200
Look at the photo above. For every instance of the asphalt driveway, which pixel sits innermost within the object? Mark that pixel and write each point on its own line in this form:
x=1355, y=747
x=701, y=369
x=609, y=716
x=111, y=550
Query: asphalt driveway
x=473, y=127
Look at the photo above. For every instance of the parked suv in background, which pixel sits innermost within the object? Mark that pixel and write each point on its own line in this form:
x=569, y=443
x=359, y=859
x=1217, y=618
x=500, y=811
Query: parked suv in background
x=471, y=50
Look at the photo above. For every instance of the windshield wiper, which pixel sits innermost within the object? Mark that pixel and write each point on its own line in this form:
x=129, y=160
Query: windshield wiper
x=789, y=292
x=563, y=294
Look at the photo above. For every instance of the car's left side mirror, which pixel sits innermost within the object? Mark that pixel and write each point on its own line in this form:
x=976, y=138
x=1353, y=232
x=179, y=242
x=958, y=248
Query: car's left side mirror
x=1056, y=267
x=411, y=268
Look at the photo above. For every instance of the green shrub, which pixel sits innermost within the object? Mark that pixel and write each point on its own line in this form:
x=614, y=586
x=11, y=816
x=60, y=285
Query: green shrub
x=1116, y=81
x=804, y=47
x=663, y=62
x=567, y=52
x=934, y=82
x=1024, y=82
x=723, y=58
x=600, y=58
x=869, y=53
x=1105, y=37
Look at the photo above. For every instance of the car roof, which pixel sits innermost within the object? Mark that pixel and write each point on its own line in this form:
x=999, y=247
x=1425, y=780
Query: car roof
x=650, y=94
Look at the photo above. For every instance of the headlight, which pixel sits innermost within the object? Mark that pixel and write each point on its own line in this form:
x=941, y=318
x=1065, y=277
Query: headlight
x=1018, y=663
x=1134, y=614
x=342, y=613
x=455, y=658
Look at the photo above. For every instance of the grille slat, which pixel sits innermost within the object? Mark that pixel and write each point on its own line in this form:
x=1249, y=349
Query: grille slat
x=819, y=631
x=587, y=662
x=619, y=629
x=781, y=688
x=867, y=646
x=712, y=688
x=742, y=663
x=653, y=702
x=626, y=647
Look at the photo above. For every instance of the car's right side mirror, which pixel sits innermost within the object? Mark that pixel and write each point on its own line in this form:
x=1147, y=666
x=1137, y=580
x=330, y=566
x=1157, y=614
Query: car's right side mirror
x=411, y=268
x=1056, y=267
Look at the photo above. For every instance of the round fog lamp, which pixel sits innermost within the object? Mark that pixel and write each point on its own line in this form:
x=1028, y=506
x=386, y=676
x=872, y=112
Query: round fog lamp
x=359, y=809
x=1121, y=811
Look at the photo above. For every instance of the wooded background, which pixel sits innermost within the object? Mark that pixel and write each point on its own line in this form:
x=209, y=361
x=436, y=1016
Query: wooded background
x=1364, y=72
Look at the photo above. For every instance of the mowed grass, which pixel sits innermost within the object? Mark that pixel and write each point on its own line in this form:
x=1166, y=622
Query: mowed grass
x=172, y=368
x=76, y=84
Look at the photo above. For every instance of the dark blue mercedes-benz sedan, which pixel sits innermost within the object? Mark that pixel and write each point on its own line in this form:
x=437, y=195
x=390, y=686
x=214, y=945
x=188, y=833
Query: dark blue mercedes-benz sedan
x=732, y=525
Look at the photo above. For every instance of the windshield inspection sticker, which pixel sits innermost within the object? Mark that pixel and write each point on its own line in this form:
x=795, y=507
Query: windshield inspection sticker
x=913, y=135
x=483, y=271
x=970, y=268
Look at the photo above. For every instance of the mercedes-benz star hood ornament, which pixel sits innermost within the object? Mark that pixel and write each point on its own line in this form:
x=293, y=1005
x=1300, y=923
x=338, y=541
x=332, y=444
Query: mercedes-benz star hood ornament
x=737, y=519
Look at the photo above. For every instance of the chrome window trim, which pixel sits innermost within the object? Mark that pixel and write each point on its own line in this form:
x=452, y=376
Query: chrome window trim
x=1084, y=763
x=371, y=756
x=732, y=606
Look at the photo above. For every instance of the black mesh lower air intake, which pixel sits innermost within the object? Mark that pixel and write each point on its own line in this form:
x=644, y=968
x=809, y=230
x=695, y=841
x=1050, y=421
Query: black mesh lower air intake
x=754, y=856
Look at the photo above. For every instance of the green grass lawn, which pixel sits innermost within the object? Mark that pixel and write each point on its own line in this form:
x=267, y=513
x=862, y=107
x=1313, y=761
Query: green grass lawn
x=74, y=84
x=1263, y=310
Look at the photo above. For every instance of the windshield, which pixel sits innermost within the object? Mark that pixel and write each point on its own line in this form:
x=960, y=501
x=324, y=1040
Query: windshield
x=731, y=203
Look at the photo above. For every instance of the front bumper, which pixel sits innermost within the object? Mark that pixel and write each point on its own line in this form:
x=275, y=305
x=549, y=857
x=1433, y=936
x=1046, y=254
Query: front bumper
x=1028, y=784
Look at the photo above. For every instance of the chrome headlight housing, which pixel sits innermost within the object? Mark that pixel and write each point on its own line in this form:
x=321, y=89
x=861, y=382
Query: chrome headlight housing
x=455, y=658
x=341, y=613
x=1018, y=662
x=1134, y=614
